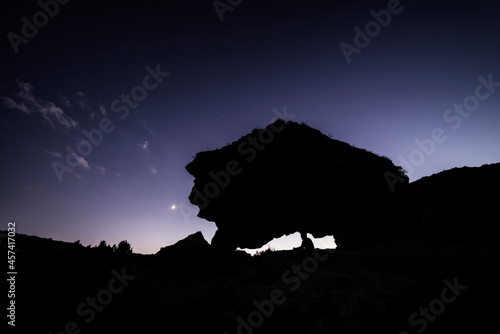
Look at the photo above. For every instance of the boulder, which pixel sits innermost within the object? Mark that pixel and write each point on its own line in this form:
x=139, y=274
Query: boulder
x=191, y=248
x=290, y=177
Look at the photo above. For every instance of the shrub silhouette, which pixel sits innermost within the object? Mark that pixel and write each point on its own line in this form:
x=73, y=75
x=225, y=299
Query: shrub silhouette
x=123, y=248
x=104, y=248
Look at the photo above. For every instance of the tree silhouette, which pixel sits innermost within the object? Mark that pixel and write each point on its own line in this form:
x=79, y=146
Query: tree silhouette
x=123, y=248
x=104, y=248
x=103, y=244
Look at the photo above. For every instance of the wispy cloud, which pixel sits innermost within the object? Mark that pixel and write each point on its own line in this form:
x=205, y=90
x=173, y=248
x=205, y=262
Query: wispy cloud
x=145, y=124
x=11, y=104
x=154, y=171
x=102, y=109
x=100, y=169
x=28, y=103
x=64, y=101
x=57, y=155
x=144, y=146
x=81, y=161
x=82, y=103
x=51, y=111
x=26, y=92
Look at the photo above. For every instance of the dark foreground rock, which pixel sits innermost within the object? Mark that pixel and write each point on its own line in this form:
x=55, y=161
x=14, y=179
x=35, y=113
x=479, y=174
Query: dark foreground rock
x=290, y=177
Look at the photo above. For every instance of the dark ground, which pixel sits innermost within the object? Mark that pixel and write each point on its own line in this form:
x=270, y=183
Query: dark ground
x=446, y=238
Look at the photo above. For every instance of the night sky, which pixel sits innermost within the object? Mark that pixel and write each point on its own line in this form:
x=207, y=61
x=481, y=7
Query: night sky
x=148, y=84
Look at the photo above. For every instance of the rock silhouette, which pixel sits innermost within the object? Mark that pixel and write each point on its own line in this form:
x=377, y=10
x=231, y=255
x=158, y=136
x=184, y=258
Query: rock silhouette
x=457, y=203
x=307, y=244
x=281, y=179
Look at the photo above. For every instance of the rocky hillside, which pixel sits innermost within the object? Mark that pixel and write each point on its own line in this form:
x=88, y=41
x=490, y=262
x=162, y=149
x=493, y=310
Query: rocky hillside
x=421, y=259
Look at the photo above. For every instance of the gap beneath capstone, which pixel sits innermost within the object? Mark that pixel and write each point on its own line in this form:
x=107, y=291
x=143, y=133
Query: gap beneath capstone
x=288, y=242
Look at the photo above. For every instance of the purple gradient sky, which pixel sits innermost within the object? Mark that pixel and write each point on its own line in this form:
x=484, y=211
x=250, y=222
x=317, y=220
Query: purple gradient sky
x=225, y=78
